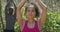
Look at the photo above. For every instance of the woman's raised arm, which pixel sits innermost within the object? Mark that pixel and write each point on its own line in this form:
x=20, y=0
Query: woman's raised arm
x=19, y=14
x=44, y=11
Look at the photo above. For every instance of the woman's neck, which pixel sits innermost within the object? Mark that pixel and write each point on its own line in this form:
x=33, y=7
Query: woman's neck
x=31, y=20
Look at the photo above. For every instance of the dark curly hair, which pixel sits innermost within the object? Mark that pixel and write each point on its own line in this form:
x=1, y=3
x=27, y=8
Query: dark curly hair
x=36, y=9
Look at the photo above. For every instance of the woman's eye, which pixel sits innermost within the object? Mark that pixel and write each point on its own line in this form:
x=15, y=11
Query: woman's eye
x=28, y=10
x=33, y=10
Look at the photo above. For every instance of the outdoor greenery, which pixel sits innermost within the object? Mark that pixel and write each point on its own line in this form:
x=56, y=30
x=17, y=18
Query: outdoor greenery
x=52, y=23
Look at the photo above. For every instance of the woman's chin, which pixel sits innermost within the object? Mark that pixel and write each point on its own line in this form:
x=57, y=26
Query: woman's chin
x=31, y=17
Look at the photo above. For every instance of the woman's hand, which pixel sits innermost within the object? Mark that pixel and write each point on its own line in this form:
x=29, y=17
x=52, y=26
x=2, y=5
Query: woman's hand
x=37, y=0
x=21, y=4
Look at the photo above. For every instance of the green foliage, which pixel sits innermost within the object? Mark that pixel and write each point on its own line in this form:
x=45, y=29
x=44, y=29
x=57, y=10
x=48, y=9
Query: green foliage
x=52, y=22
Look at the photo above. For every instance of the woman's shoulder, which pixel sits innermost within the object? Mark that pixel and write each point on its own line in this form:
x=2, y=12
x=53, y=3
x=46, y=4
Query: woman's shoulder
x=25, y=21
x=23, y=24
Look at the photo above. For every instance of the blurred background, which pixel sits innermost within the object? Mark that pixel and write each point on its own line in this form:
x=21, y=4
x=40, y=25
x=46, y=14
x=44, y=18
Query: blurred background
x=52, y=23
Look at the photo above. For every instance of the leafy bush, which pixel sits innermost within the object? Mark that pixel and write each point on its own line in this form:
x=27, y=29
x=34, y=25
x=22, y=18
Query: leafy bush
x=52, y=22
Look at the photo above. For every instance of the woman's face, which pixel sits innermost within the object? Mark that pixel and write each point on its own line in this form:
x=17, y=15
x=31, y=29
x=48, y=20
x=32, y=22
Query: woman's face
x=30, y=13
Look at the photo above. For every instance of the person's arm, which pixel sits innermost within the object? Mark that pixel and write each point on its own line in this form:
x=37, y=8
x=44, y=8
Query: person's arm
x=6, y=10
x=18, y=12
x=44, y=12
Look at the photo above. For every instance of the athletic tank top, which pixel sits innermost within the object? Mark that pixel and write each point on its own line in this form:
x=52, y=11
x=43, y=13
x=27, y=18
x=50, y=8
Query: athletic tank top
x=34, y=29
